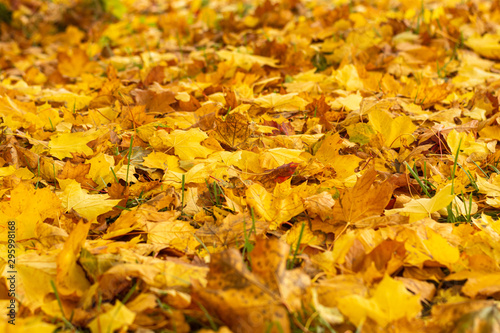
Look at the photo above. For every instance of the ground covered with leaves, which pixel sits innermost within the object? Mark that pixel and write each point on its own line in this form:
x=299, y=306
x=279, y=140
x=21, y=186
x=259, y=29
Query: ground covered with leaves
x=252, y=166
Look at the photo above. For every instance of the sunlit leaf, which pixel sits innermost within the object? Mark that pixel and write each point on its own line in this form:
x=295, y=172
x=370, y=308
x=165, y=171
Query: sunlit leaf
x=88, y=206
x=390, y=301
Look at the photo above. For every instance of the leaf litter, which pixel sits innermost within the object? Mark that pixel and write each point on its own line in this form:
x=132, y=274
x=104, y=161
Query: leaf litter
x=251, y=166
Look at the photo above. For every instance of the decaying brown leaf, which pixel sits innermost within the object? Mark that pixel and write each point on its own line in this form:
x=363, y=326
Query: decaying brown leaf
x=253, y=300
x=233, y=130
x=365, y=199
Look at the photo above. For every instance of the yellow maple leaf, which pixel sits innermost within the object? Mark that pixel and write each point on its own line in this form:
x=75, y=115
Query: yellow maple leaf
x=328, y=153
x=17, y=114
x=75, y=62
x=22, y=173
x=100, y=169
x=391, y=301
x=276, y=157
x=417, y=209
x=365, y=199
x=302, y=234
x=186, y=144
x=116, y=317
x=29, y=324
x=174, y=234
x=72, y=101
x=28, y=208
x=239, y=296
x=468, y=144
x=71, y=279
x=483, y=284
x=348, y=78
x=245, y=60
x=272, y=207
x=424, y=245
x=30, y=291
x=89, y=206
x=278, y=102
x=197, y=174
x=159, y=160
x=486, y=45
x=63, y=144
x=329, y=148
x=311, y=82
x=320, y=204
x=396, y=132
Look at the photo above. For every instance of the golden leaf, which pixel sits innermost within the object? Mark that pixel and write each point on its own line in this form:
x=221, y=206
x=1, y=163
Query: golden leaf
x=71, y=279
x=28, y=208
x=186, y=144
x=390, y=301
x=365, y=199
x=88, y=206
x=233, y=130
x=62, y=145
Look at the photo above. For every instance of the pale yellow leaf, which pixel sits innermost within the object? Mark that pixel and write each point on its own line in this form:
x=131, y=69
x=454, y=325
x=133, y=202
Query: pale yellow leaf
x=276, y=157
x=246, y=61
x=117, y=317
x=186, y=144
x=391, y=301
x=396, y=132
x=89, y=206
x=63, y=144
x=277, y=102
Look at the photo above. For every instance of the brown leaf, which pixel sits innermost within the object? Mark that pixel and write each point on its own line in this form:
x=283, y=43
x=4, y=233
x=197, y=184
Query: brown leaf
x=191, y=105
x=231, y=231
x=137, y=115
x=232, y=131
x=78, y=172
x=155, y=102
x=168, y=199
x=237, y=296
x=230, y=98
x=365, y=199
x=248, y=301
x=156, y=74
x=447, y=314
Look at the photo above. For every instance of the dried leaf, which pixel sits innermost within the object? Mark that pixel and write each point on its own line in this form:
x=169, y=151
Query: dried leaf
x=233, y=130
x=365, y=199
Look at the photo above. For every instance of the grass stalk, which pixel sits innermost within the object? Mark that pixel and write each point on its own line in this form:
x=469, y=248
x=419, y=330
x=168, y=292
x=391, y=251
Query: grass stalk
x=417, y=178
x=292, y=262
x=58, y=298
x=451, y=217
x=129, y=157
x=182, y=191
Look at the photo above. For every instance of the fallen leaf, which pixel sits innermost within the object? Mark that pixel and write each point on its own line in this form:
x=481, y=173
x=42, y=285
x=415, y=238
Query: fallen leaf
x=70, y=278
x=88, y=206
x=365, y=199
x=28, y=208
x=397, y=132
x=273, y=209
x=116, y=317
x=253, y=300
x=186, y=144
x=62, y=145
x=390, y=301
x=417, y=209
x=231, y=231
x=233, y=130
